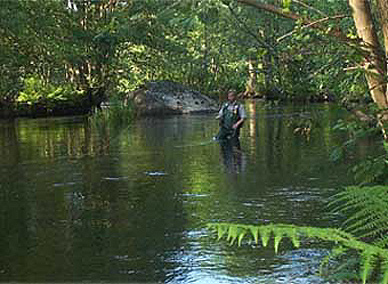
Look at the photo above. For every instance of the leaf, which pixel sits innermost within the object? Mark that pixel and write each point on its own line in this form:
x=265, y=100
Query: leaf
x=278, y=238
x=384, y=269
x=367, y=265
x=222, y=229
x=255, y=233
x=240, y=237
x=293, y=235
x=286, y=5
x=265, y=234
x=336, y=154
x=344, y=241
x=232, y=233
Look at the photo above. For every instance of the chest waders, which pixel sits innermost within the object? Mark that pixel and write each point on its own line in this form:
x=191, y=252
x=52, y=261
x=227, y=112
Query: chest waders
x=230, y=115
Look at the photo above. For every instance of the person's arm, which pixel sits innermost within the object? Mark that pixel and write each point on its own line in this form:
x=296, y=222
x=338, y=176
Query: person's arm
x=243, y=116
x=220, y=112
x=238, y=123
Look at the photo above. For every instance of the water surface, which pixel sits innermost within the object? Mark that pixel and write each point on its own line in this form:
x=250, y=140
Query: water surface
x=85, y=202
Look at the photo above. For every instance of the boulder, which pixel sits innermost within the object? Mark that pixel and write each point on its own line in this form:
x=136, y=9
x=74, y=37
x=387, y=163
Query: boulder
x=166, y=97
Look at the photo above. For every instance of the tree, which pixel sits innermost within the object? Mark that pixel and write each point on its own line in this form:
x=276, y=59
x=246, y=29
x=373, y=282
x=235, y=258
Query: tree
x=368, y=44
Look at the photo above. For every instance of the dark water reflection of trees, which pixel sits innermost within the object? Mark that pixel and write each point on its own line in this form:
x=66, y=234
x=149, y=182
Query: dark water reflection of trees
x=76, y=203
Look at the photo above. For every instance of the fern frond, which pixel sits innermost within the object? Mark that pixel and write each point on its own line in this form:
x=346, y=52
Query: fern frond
x=339, y=199
x=293, y=235
x=383, y=241
x=265, y=234
x=241, y=236
x=344, y=241
x=335, y=252
x=367, y=207
x=379, y=234
x=368, y=223
x=233, y=233
x=384, y=269
x=255, y=233
x=221, y=231
x=368, y=264
x=278, y=232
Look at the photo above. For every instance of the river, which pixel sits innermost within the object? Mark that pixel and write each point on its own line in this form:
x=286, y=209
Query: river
x=82, y=201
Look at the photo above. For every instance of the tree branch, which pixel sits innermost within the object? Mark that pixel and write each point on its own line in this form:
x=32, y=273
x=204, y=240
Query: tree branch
x=259, y=40
x=364, y=48
x=311, y=24
x=310, y=8
x=289, y=15
x=270, y=8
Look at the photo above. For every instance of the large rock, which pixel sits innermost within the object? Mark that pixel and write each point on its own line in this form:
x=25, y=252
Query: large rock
x=166, y=97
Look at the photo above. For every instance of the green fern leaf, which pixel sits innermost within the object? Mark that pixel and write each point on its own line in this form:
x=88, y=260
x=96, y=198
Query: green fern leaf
x=221, y=230
x=384, y=269
x=383, y=241
x=335, y=252
x=293, y=235
x=255, y=233
x=265, y=234
x=367, y=266
x=241, y=236
x=369, y=252
x=278, y=237
x=232, y=233
x=368, y=210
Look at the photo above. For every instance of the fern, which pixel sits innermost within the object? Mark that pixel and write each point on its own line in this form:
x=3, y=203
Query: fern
x=384, y=268
x=335, y=252
x=368, y=262
x=368, y=211
x=369, y=254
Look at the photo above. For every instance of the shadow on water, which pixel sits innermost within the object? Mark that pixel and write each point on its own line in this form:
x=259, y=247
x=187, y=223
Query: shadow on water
x=80, y=202
x=232, y=156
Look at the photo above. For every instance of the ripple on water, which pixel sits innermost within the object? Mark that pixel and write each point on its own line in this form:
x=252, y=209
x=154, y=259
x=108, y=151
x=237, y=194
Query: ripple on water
x=301, y=266
x=115, y=178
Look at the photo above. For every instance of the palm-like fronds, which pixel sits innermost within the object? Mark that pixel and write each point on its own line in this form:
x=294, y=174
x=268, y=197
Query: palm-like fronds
x=368, y=253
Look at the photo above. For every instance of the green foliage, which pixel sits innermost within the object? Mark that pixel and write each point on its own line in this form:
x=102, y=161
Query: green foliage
x=116, y=115
x=371, y=169
x=286, y=5
x=368, y=209
x=117, y=45
x=36, y=91
x=368, y=253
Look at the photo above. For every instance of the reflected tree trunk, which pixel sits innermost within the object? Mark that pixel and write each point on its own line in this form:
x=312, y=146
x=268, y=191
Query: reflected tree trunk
x=251, y=87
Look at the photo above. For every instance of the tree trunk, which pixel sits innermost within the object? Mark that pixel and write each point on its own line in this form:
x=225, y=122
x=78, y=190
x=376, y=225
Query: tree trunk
x=375, y=59
x=375, y=66
x=383, y=8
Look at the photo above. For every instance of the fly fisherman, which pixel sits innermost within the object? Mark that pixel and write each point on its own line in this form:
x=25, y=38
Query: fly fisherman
x=231, y=116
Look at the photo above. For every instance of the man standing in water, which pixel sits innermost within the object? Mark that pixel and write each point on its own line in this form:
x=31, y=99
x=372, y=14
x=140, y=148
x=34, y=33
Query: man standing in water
x=231, y=116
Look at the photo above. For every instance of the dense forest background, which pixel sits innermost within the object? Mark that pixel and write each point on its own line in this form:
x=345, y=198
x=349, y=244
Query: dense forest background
x=78, y=53
x=69, y=56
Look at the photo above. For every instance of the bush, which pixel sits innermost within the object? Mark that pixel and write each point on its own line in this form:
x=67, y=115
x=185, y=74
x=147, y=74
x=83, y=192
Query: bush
x=35, y=91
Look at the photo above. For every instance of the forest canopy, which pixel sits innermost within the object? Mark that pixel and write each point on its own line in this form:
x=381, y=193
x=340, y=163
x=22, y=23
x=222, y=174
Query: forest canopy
x=81, y=52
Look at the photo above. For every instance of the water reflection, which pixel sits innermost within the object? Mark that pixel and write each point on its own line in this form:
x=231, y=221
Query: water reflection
x=232, y=156
x=77, y=204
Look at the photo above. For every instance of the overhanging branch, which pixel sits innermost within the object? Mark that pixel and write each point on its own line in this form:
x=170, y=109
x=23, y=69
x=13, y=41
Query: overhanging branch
x=361, y=46
x=305, y=22
x=270, y=8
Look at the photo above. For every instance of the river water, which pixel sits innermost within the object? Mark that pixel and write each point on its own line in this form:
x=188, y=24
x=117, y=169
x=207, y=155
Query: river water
x=82, y=201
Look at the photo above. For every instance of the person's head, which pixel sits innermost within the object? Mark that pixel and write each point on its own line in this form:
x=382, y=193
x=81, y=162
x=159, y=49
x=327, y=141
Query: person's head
x=232, y=96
